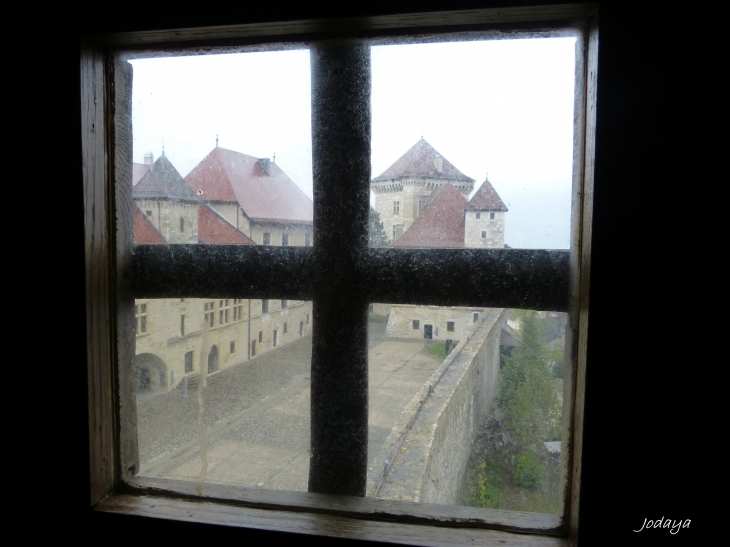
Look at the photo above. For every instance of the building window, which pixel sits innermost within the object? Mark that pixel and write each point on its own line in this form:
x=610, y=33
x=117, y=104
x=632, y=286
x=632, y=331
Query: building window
x=284, y=240
x=253, y=348
x=189, y=362
x=261, y=336
x=416, y=324
x=182, y=325
x=237, y=309
x=141, y=315
x=307, y=319
x=182, y=300
x=450, y=326
x=182, y=225
x=484, y=234
x=209, y=313
x=286, y=327
x=491, y=216
x=276, y=338
x=396, y=207
x=284, y=304
x=148, y=213
x=475, y=317
x=264, y=306
x=95, y=58
x=478, y=215
x=233, y=346
x=397, y=231
x=223, y=307
x=307, y=240
x=267, y=238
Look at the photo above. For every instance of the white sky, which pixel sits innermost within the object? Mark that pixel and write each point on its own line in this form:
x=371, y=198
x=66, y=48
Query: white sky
x=504, y=107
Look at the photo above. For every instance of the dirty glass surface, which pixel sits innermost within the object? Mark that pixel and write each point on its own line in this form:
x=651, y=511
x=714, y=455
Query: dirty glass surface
x=472, y=148
x=222, y=150
x=472, y=144
x=222, y=155
x=465, y=406
x=223, y=390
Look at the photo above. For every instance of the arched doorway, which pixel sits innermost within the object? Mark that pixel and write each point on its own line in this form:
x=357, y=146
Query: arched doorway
x=151, y=372
x=213, y=360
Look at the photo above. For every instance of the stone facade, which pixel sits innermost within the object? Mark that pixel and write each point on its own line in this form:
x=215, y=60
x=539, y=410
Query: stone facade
x=484, y=229
x=176, y=221
x=297, y=234
x=170, y=346
x=432, y=322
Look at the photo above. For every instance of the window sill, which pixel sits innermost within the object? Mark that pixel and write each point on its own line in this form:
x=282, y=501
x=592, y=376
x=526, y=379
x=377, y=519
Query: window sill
x=317, y=524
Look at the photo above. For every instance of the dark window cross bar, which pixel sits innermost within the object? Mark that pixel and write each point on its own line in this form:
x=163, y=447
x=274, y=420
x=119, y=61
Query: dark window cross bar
x=498, y=278
x=341, y=275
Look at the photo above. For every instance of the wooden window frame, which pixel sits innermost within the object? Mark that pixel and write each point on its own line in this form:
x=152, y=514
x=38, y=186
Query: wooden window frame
x=115, y=276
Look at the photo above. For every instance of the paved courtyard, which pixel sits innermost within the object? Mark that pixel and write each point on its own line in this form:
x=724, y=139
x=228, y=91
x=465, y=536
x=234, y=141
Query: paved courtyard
x=257, y=416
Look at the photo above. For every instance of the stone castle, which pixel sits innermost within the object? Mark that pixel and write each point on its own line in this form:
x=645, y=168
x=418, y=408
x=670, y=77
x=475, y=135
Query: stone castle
x=234, y=198
x=228, y=198
x=422, y=200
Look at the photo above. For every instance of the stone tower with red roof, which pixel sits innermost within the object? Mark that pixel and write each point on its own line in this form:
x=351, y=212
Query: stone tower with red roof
x=404, y=190
x=484, y=218
x=167, y=202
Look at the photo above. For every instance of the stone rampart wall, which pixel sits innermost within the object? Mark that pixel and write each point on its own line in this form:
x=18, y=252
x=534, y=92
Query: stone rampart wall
x=433, y=438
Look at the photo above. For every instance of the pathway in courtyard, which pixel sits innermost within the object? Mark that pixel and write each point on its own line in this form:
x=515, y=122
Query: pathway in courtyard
x=257, y=416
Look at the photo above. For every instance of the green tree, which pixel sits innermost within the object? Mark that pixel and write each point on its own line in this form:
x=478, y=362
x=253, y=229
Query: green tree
x=378, y=237
x=527, y=394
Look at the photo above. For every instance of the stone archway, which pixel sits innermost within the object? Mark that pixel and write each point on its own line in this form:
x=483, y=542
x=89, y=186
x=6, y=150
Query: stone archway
x=151, y=372
x=213, y=360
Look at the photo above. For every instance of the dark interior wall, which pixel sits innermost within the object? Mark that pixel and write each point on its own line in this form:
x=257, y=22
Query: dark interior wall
x=659, y=89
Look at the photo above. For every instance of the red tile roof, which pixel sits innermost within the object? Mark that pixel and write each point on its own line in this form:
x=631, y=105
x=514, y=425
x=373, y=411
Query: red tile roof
x=225, y=175
x=214, y=229
x=162, y=181
x=138, y=171
x=441, y=224
x=486, y=199
x=145, y=232
x=419, y=162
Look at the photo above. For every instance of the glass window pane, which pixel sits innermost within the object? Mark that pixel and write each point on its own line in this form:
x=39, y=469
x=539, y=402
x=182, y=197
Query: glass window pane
x=255, y=404
x=465, y=128
x=467, y=408
x=222, y=149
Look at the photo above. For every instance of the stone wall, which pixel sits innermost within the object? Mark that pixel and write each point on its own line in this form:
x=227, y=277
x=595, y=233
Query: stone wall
x=411, y=321
x=165, y=215
x=494, y=228
x=432, y=440
x=165, y=340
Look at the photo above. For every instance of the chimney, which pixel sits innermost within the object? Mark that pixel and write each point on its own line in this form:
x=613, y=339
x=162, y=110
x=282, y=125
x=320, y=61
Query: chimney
x=438, y=163
x=265, y=164
x=149, y=159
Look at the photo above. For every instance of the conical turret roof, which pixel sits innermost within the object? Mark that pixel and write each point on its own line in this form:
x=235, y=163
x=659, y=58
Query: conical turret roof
x=423, y=161
x=162, y=181
x=486, y=199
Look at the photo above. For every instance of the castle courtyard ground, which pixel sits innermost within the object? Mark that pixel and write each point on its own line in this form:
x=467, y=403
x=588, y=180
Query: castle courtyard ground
x=257, y=416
